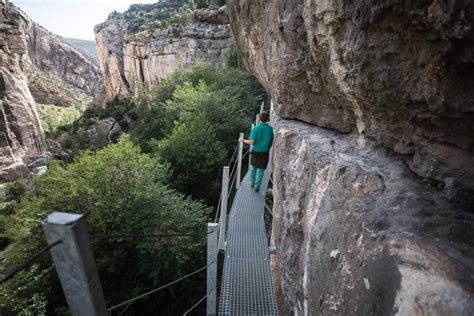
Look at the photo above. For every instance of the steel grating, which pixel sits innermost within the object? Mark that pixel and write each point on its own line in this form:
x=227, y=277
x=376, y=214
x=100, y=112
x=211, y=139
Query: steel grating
x=247, y=287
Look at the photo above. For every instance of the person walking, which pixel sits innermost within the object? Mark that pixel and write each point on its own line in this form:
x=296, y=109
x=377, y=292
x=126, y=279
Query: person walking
x=261, y=139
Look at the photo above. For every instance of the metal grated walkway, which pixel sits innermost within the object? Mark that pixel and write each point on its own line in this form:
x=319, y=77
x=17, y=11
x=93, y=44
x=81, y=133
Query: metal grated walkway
x=247, y=287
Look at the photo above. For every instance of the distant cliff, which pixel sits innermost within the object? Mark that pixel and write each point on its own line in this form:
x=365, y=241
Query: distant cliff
x=149, y=42
x=57, y=58
x=36, y=68
x=374, y=151
x=89, y=48
x=21, y=136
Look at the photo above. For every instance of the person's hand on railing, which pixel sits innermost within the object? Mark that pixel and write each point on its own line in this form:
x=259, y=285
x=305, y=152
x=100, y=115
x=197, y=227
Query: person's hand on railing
x=246, y=141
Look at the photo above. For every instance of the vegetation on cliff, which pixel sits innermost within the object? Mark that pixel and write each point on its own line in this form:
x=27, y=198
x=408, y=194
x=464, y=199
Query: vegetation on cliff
x=160, y=15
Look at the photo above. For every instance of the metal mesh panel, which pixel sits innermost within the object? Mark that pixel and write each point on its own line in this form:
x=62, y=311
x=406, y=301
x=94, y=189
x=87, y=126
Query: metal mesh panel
x=247, y=287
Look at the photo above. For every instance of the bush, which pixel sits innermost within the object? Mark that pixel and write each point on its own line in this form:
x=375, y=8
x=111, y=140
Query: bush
x=202, y=4
x=218, y=2
x=195, y=156
x=15, y=191
x=53, y=117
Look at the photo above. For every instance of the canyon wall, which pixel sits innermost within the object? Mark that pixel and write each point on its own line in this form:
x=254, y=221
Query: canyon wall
x=21, y=136
x=131, y=59
x=59, y=59
x=36, y=67
x=373, y=155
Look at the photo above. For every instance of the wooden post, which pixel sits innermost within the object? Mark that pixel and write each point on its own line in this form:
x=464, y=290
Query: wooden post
x=211, y=268
x=257, y=120
x=262, y=107
x=75, y=263
x=239, y=162
x=223, y=217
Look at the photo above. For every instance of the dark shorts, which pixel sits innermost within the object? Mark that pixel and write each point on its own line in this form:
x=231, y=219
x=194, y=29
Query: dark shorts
x=259, y=160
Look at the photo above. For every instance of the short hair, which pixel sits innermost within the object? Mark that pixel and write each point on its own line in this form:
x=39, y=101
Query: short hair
x=264, y=116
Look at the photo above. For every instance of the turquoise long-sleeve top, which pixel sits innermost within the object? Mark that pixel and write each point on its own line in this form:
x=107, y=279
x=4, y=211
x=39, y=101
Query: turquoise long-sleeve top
x=262, y=135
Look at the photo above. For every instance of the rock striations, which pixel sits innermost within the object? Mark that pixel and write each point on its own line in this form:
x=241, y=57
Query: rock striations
x=374, y=151
x=35, y=67
x=148, y=43
x=21, y=135
x=57, y=58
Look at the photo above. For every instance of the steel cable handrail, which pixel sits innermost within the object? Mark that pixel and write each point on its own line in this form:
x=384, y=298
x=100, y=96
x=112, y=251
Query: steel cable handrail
x=196, y=305
x=29, y=261
x=218, y=208
x=234, y=181
x=130, y=301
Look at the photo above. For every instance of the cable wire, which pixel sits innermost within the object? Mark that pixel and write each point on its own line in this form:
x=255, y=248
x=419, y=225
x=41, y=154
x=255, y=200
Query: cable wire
x=195, y=305
x=233, y=155
x=234, y=180
x=218, y=208
x=112, y=237
x=30, y=260
x=158, y=289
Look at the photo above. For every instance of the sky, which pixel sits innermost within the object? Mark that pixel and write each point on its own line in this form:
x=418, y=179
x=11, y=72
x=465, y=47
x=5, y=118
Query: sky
x=73, y=18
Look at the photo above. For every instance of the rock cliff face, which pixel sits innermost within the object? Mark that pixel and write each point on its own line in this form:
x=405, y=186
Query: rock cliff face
x=21, y=135
x=131, y=59
x=54, y=57
x=36, y=67
x=374, y=151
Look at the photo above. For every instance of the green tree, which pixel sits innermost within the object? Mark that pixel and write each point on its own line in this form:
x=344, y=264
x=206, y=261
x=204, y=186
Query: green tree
x=229, y=97
x=218, y=2
x=15, y=191
x=195, y=155
x=122, y=191
x=202, y=4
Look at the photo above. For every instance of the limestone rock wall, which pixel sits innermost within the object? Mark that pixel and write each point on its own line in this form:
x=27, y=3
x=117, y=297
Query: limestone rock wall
x=130, y=60
x=21, y=136
x=35, y=67
x=358, y=233
x=374, y=152
x=59, y=59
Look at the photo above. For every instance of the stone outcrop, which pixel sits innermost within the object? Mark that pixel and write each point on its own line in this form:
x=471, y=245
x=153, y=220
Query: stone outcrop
x=133, y=59
x=57, y=58
x=359, y=234
x=374, y=151
x=21, y=136
x=36, y=67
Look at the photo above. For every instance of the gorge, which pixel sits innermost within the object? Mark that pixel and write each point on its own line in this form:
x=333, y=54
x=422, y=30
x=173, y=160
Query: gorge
x=373, y=113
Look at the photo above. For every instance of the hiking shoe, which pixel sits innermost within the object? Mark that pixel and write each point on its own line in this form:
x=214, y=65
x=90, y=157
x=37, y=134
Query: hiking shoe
x=257, y=190
x=252, y=185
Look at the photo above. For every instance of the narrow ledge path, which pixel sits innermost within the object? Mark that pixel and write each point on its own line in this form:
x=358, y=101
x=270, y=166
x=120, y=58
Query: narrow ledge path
x=247, y=287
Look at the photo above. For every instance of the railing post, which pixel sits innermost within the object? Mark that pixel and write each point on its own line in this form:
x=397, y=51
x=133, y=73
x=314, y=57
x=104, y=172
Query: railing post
x=211, y=268
x=223, y=218
x=250, y=159
x=262, y=107
x=239, y=162
x=257, y=120
x=75, y=263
